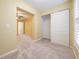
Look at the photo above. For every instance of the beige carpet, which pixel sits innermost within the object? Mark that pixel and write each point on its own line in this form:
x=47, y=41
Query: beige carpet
x=44, y=49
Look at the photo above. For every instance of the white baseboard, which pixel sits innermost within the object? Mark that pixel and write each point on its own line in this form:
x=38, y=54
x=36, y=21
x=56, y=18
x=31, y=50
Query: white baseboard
x=8, y=53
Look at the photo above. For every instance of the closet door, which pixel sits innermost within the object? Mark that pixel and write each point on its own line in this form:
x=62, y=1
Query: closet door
x=60, y=27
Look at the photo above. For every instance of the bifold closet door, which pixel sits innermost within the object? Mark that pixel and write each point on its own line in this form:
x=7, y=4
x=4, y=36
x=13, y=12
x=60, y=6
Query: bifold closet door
x=60, y=27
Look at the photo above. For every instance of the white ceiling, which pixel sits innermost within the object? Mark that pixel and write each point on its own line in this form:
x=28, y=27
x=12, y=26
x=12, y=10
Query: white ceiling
x=43, y=5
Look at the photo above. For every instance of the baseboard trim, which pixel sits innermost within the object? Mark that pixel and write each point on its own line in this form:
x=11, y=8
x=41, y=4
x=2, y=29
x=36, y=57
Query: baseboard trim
x=8, y=53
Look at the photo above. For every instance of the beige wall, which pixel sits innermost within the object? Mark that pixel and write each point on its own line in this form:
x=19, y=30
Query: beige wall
x=71, y=23
x=38, y=26
x=7, y=25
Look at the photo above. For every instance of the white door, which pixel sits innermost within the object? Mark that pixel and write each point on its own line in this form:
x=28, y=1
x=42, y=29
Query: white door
x=60, y=27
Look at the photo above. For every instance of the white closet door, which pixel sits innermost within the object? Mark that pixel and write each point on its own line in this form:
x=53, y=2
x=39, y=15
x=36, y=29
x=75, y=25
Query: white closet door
x=60, y=27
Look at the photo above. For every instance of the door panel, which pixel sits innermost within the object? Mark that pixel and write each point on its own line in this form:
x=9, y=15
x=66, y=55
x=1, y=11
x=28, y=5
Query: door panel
x=60, y=27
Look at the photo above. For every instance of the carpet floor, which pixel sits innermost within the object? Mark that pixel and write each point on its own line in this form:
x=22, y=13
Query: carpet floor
x=44, y=49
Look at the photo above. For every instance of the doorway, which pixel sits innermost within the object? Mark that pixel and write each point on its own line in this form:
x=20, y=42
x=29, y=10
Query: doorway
x=46, y=26
x=24, y=22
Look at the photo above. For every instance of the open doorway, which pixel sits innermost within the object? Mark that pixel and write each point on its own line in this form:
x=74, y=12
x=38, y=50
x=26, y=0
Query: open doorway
x=46, y=26
x=24, y=22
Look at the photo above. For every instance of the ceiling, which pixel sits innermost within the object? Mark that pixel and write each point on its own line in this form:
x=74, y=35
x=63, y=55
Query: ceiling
x=43, y=5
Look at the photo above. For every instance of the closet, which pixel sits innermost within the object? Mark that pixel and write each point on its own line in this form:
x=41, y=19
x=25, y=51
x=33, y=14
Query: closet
x=46, y=26
x=60, y=27
x=55, y=27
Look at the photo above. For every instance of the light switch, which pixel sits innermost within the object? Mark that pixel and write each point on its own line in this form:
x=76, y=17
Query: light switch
x=8, y=26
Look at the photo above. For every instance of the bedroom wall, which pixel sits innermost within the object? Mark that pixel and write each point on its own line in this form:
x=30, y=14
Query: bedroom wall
x=71, y=23
x=7, y=25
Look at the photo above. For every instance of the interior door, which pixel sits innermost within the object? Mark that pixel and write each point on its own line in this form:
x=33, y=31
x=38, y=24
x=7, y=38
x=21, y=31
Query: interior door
x=60, y=27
